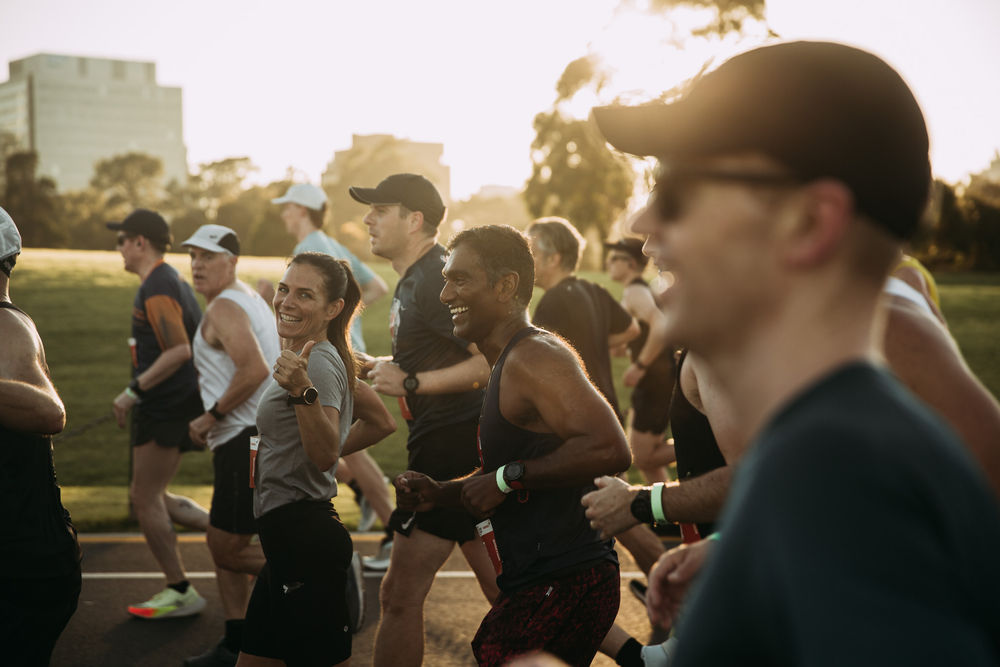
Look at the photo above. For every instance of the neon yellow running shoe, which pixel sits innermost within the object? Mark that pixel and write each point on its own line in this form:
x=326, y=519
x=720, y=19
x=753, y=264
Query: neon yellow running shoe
x=168, y=603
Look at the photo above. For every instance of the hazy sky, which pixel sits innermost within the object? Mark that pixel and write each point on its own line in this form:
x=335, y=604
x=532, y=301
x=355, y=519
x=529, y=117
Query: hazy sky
x=287, y=83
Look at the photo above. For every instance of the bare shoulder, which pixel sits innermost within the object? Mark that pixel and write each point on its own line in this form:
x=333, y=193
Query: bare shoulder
x=911, y=333
x=22, y=345
x=541, y=355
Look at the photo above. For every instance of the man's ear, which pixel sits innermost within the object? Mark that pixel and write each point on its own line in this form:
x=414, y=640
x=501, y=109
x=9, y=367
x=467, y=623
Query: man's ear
x=818, y=226
x=415, y=221
x=506, y=287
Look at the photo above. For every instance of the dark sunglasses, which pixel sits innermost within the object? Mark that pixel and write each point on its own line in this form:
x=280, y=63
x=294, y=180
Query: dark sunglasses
x=674, y=182
x=122, y=237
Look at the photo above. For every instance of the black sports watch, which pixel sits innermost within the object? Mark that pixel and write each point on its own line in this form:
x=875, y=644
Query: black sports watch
x=134, y=386
x=642, y=507
x=411, y=384
x=513, y=474
x=308, y=397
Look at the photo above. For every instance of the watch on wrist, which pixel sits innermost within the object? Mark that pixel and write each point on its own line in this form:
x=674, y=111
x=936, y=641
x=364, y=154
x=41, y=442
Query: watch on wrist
x=642, y=506
x=308, y=397
x=215, y=412
x=641, y=366
x=134, y=386
x=513, y=474
x=411, y=384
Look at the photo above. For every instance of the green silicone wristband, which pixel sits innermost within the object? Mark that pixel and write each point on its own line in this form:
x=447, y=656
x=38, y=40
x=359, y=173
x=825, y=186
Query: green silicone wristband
x=501, y=484
x=714, y=537
x=656, y=499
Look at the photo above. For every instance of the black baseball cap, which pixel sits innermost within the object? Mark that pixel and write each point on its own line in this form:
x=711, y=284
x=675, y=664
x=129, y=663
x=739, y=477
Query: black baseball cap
x=411, y=190
x=631, y=247
x=824, y=110
x=143, y=222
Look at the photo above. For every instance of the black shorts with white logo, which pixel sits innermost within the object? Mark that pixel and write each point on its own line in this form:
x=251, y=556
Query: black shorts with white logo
x=298, y=609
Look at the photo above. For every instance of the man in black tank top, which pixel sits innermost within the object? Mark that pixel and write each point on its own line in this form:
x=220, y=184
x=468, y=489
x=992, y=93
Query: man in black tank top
x=39, y=554
x=545, y=433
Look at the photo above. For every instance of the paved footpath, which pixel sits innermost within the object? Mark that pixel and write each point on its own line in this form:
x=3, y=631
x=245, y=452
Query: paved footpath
x=118, y=570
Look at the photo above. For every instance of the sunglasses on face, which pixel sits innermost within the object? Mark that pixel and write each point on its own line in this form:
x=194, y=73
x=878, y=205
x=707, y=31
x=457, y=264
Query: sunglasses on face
x=122, y=238
x=674, y=184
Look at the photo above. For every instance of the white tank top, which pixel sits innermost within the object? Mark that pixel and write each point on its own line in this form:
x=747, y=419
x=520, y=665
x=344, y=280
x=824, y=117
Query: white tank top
x=216, y=369
x=899, y=288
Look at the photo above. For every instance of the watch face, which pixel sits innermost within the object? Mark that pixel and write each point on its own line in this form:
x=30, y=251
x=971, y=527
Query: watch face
x=310, y=395
x=410, y=384
x=514, y=471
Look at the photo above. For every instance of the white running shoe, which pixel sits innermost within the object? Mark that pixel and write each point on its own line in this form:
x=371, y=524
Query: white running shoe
x=380, y=561
x=368, y=516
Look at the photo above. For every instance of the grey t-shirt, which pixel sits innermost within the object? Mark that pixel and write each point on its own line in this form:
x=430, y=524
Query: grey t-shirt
x=285, y=473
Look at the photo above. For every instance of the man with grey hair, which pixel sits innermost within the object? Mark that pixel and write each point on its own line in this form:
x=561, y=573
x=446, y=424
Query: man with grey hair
x=234, y=348
x=585, y=314
x=39, y=554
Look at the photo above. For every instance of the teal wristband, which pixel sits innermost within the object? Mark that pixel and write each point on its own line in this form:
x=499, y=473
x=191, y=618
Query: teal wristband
x=131, y=393
x=501, y=484
x=656, y=500
x=714, y=537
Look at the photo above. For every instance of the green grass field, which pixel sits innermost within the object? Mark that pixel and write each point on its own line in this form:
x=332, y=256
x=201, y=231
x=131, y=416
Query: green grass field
x=81, y=302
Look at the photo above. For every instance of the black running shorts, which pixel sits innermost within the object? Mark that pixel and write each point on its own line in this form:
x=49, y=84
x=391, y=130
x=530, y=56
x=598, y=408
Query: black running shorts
x=168, y=429
x=298, y=608
x=232, y=497
x=444, y=453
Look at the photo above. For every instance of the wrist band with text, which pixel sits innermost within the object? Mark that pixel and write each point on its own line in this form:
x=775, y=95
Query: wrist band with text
x=501, y=484
x=656, y=500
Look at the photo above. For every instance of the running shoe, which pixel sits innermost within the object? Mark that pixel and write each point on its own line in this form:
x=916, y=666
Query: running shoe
x=379, y=562
x=168, y=603
x=217, y=656
x=368, y=516
x=355, y=594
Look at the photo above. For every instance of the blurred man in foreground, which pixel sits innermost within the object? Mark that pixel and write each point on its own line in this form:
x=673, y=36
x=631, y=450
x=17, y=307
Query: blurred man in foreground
x=790, y=177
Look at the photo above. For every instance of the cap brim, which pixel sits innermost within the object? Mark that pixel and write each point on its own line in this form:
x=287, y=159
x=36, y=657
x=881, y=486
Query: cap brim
x=280, y=200
x=116, y=226
x=648, y=129
x=367, y=196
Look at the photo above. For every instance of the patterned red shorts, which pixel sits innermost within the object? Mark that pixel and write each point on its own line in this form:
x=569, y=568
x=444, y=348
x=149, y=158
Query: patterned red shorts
x=568, y=617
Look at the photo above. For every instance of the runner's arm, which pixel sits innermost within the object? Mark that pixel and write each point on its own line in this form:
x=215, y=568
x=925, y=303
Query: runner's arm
x=232, y=326
x=373, y=421
x=28, y=401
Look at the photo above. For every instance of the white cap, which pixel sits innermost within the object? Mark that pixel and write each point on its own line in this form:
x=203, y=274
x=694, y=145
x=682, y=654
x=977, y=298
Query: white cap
x=215, y=238
x=303, y=194
x=10, y=238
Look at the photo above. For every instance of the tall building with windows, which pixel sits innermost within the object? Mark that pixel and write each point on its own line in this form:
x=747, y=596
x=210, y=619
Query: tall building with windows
x=74, y=111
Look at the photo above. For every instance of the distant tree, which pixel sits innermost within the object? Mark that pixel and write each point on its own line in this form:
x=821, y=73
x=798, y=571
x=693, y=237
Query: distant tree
x=127, y=182
x=727, y=15
x=574, y=175
x=268, y=236
x=33, y=202
x=220, y=182
x=83, y=212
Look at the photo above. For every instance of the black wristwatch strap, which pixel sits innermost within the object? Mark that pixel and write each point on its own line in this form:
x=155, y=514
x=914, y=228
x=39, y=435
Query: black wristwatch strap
x=642, y=507
x=134, y=386
x=215, y=412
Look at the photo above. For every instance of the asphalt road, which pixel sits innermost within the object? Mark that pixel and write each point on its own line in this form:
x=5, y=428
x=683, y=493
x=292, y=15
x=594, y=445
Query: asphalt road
x=119, y=570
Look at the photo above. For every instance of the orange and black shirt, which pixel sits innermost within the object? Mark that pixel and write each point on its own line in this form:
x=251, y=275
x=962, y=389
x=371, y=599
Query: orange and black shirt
x=165, y=314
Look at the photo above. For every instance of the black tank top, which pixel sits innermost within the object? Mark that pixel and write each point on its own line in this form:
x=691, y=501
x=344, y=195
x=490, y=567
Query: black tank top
x=35, y=530
x=694, y=443
x=540, y=533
